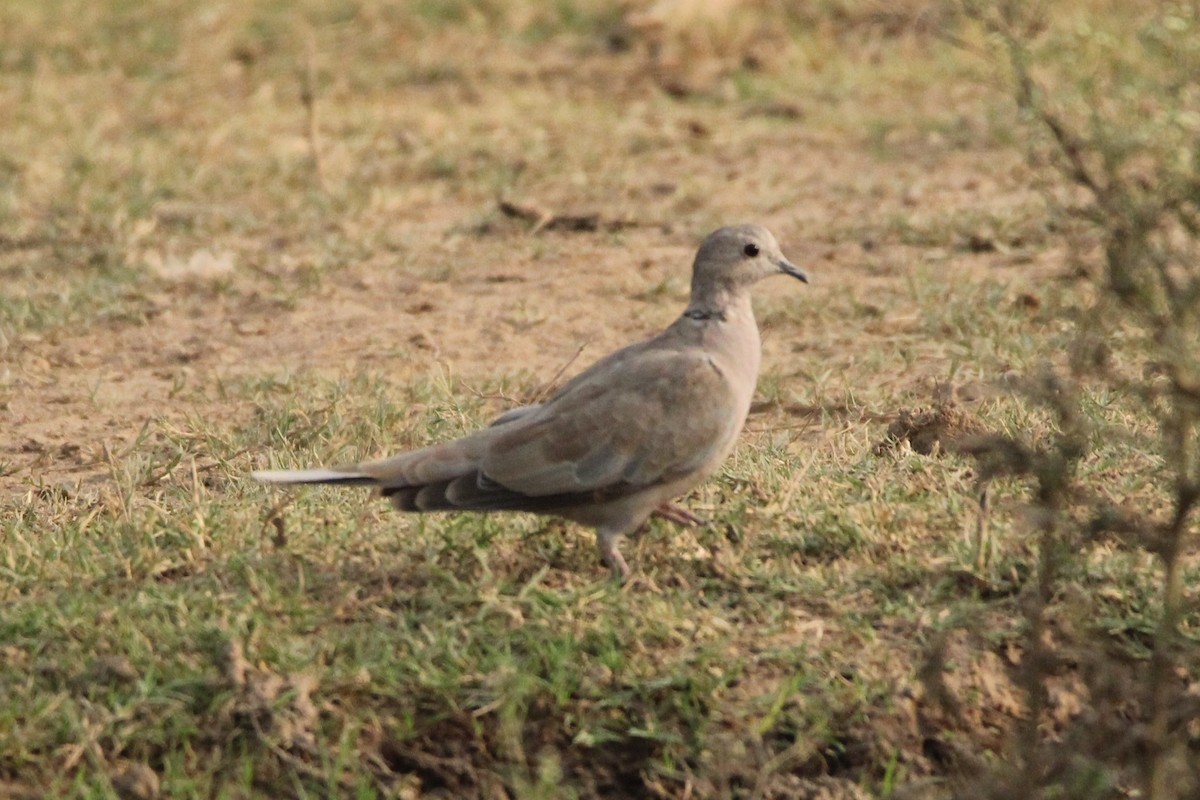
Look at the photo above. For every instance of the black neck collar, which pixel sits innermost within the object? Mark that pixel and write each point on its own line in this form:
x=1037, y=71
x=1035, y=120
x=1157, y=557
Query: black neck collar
x=705, y=314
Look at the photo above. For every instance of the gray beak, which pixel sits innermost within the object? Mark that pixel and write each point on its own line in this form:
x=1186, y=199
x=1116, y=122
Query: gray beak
x=788, y=268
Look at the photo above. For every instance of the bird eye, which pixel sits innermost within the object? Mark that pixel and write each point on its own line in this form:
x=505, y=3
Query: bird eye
x=751, y=250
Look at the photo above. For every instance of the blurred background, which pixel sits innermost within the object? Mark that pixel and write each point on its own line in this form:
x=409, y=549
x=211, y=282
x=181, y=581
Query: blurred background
x=954, y=555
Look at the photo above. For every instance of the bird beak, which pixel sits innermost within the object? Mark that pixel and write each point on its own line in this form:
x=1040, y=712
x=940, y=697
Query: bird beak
x=788, y=268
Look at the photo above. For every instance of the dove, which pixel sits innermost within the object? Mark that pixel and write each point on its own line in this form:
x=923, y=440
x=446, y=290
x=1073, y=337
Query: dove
x=621, y=440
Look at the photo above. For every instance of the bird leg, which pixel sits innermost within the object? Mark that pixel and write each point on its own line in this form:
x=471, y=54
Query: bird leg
x=677, y=514
x=610, y=555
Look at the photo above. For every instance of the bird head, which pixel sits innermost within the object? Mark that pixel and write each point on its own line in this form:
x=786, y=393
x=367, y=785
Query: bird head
x=737, y=256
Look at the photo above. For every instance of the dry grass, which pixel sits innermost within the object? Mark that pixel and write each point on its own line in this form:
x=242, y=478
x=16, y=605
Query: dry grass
x=240, y=235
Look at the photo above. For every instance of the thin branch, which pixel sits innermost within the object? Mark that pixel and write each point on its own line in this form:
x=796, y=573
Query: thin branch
x=308, y=96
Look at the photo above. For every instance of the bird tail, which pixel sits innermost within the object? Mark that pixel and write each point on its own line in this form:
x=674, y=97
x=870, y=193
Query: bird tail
x=413, y=481
x=345, y=476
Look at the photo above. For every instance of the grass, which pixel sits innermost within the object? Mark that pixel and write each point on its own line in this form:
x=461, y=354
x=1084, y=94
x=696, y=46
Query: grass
x=170, y=624
x=472, y=650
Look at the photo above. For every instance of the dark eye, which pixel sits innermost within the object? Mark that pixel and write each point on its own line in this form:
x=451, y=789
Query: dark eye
x=751, y=250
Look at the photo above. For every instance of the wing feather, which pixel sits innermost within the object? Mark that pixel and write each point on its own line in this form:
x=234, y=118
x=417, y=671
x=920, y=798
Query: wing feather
x=642, y=417
x=660, y=416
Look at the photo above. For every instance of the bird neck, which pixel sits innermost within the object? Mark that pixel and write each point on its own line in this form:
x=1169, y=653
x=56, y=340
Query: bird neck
x=705, y=314
x=717, y=305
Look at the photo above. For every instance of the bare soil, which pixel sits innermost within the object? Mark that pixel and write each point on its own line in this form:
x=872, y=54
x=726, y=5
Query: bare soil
x=492, y=208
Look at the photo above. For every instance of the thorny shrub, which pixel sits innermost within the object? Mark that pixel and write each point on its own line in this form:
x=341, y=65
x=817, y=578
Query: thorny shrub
x=1111, y=124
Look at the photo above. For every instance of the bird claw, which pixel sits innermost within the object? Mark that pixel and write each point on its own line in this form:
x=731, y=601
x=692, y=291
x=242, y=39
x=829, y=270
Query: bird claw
x=678, y=515
x=611, y=556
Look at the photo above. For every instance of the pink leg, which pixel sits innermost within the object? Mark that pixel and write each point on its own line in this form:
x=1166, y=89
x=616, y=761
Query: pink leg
x=677, y=514
x=610, y=555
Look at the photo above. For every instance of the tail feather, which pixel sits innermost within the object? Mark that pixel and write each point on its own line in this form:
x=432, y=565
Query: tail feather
x=345, y=477
x=473, y=492
x=418, y=480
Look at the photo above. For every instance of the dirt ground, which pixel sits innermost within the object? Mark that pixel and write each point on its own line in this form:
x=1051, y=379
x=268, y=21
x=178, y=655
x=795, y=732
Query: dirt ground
x=450, y=284
x=202, y=201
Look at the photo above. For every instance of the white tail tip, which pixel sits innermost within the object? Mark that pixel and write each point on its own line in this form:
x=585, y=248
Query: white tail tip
x=312, y=476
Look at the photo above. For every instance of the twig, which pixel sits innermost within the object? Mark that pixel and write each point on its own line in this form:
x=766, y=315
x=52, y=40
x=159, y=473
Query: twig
x=1166, y=638
x=537, y=396
x=1068, y=143
x=274, y=519
x=542, y=220
x=308, y=96
x=541, y=393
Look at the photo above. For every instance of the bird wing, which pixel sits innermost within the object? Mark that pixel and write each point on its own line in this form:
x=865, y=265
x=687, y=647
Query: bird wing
x=641, y=417
x=653, y=417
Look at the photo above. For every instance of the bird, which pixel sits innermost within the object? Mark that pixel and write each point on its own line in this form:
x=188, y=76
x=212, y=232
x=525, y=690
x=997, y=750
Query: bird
x=622, y=439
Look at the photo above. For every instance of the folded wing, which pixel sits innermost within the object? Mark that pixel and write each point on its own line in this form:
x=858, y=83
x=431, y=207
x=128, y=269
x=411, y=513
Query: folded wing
x=661, y=416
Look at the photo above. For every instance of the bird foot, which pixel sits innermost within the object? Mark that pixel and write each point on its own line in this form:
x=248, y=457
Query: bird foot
x=678, y=515
x=611, y=556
